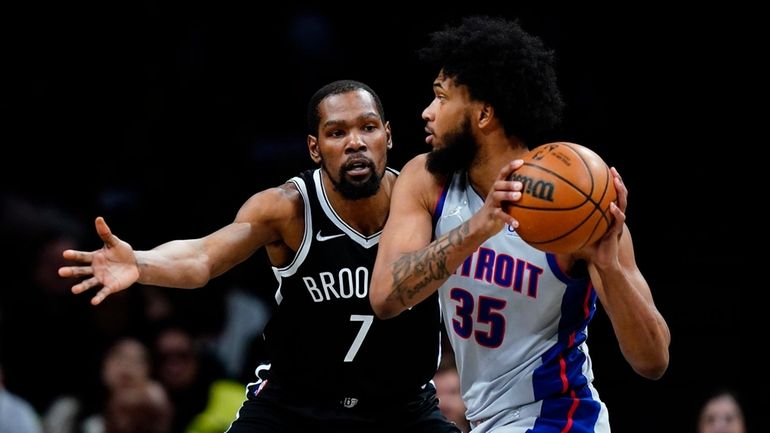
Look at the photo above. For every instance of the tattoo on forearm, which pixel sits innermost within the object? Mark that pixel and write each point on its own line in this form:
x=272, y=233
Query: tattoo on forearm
x=414, y=271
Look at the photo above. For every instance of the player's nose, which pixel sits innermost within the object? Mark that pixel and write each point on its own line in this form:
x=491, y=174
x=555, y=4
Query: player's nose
x=355, y=143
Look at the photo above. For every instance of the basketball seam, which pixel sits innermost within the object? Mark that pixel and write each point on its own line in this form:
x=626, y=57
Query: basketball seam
x=602, y=212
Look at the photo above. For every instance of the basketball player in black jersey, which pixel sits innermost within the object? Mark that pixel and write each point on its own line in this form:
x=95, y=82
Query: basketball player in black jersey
x=334, y=366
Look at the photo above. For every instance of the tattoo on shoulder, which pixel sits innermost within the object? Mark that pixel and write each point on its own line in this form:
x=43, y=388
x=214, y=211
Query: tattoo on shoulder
x=288, y=187
x=414, y=271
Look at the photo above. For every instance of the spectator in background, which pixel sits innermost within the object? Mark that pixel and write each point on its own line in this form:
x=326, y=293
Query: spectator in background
x=126, y=370
x=447, y=381
x=450, y=401
x=136, y=402
x=195, y=381
x=16, y=414
x=41, y=319
x=721, y=413
x=138, y=410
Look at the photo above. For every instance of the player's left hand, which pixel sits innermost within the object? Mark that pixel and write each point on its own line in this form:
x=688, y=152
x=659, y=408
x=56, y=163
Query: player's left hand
x=604, y=252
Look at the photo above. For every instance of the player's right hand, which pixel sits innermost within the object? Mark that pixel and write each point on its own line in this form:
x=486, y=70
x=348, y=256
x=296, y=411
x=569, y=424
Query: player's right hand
x=503, y=190
x=113, y=267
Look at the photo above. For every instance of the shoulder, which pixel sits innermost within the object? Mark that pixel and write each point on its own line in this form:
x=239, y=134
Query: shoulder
x=280, y=202
x=286, y=194
x=417, y=182
x=390, y=176
x=415, y=171
x=415, y=164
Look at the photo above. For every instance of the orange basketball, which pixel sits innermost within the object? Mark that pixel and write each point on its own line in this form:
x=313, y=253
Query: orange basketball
x=565, y=202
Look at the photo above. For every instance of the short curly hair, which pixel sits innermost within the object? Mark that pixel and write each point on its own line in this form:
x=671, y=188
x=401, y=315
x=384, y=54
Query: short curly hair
x=504, y=66
x=337, y=88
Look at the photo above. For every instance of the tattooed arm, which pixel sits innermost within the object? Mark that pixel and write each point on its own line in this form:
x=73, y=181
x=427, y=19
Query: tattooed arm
x=409, y=266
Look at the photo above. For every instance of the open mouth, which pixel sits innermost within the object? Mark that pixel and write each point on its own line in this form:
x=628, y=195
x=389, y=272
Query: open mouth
x=360, y=167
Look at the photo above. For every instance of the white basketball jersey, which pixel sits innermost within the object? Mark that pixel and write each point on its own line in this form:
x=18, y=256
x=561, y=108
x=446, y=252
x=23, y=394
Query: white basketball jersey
x=517, y=323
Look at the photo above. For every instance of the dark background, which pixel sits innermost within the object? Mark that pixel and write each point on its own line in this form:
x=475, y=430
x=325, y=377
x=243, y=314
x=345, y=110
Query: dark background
x=166, y=117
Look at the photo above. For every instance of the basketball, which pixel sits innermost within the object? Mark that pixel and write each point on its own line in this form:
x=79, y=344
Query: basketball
x=565, y=201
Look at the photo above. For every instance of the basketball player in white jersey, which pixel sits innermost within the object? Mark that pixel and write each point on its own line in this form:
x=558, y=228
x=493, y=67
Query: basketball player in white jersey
x=321, y=230
x=517, y=317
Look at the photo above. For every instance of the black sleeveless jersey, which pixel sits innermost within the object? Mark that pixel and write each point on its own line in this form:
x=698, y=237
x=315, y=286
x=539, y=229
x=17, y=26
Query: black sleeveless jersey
x=324, y=339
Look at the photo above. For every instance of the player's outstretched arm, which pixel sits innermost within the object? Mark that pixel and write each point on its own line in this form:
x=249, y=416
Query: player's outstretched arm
x=188, y=263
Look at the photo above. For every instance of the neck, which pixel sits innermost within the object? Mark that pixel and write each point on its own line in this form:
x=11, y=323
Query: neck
x=493, y=154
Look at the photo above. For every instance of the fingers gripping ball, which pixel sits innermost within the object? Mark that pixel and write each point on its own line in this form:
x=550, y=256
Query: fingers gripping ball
x=566, y=197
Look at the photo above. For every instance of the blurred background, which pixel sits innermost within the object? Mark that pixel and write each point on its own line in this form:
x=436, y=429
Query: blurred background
x=165, y=117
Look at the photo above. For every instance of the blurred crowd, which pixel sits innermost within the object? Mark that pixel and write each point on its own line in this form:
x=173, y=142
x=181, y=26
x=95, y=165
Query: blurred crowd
x=150, y=360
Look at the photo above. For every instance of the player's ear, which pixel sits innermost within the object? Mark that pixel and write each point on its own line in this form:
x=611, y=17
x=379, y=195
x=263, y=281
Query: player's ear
x=485, y=114
x=312, y=147
x=389, y=135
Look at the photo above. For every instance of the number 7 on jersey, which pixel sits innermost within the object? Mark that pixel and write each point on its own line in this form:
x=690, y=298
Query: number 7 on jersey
x=366, y=323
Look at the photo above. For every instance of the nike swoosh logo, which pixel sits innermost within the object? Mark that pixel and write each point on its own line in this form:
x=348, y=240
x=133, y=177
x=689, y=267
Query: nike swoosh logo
x=321, y=238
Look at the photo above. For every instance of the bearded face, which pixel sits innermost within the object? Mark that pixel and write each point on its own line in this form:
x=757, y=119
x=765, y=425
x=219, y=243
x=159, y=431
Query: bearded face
x=457, y=152
x=357, y=178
